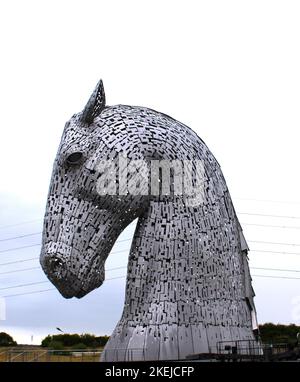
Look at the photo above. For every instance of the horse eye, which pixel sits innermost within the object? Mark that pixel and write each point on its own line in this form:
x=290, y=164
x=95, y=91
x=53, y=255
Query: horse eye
x=74, y=158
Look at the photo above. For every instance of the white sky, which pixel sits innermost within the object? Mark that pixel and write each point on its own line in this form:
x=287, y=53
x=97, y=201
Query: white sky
x=228, y=69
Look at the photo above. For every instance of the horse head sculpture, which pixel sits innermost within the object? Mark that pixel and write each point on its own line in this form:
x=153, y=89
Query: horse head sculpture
x=188, y=282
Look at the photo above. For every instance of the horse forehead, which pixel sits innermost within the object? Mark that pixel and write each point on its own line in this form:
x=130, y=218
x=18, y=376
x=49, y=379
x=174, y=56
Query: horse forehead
x=75, y=135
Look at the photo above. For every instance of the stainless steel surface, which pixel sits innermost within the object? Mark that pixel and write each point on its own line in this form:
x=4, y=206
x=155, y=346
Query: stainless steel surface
x=188, y=282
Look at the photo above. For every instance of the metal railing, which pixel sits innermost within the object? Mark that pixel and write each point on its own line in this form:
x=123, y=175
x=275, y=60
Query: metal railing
x=40, y=355
x=241, y=347
x=126, y=354
x=253, y=350
x=239, y=350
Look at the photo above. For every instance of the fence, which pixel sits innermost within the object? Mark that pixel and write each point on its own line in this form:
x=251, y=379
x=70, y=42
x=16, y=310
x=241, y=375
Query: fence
x=225, y=351
x=22, y=355
x=252, y=350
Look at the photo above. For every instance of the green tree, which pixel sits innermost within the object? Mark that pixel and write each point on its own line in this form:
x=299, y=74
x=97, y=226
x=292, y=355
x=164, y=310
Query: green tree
x=80, y=346
x=56, y=345
x=102, y=340
x=74, y=340
x=6, y=340
x=278, y=333
x=46, y=341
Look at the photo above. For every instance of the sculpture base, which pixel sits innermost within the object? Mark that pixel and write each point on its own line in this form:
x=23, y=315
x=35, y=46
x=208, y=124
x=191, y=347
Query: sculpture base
x=169, y=342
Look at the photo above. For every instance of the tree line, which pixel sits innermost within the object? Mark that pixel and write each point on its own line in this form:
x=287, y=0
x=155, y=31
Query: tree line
x=75, y=341
x=269, y=333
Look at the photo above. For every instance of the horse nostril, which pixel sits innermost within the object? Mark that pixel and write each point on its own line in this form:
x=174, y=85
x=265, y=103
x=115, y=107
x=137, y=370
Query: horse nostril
x=55, y=264
x=74, y=158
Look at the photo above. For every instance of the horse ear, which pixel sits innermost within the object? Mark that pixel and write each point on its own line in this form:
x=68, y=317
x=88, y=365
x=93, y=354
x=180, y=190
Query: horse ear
x=95, y=104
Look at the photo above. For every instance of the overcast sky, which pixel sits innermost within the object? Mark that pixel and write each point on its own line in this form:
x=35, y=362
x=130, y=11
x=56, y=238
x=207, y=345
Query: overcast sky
x=228, y=69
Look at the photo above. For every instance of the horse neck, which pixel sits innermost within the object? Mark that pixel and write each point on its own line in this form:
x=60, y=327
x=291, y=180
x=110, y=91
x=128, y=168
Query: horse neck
x=162, y=224
x=162, y=251
x=175, y=259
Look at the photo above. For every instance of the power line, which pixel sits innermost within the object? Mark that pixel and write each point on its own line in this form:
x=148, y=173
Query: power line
x=250, y=199
x=112, y=278
x=277, y=269
x=33, y=268
x=122, y=267
x=20, y=270
x=46, y=290
x=241, y=213
x=19, y=261
x=18, y=248
x=273, y=242
x=278, y=277
x=125, y=250
x=47, y=281
x=116, y=268
x=38, y=233
x=39, y=245
x=37, y=258
x=249, y=241
x=124, y=240
x=121, y=277
x=24, y=285
x=272, y=226
x=121, y=241
x=269, y=215
x=22, y=294
x=268, y=200
x=22, y=223
x=21, y=236
x=276, y=252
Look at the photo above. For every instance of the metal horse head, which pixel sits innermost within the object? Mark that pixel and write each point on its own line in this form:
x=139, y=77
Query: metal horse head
x=188, y=281
x=81, y=223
